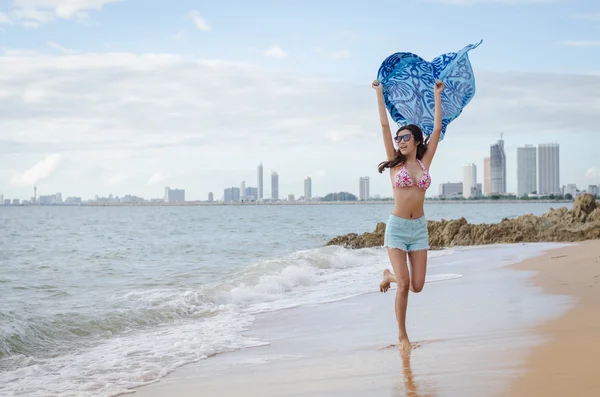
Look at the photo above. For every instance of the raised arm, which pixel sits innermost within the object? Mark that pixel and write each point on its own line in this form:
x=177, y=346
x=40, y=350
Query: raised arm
x=390, y=151
x=437, y=124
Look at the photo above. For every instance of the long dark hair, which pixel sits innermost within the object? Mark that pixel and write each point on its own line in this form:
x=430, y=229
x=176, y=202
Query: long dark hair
x=400, y=158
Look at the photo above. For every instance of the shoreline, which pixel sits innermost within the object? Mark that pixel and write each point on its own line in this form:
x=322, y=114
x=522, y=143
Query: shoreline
x=567, y=363
x=330, y=350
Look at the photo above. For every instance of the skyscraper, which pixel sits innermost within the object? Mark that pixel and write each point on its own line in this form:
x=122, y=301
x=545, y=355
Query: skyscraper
x=174, y=195
x=470, y=181
x=274, y=186
x=260, y=182
x=526, y=173
x=231, y=194
x=251, y=193
x=211, y=197
x=307, y=189
x=449, y=190
x=548, y=169
x=363, y=188
x=487, y=181
x=243, y=191
x=498, y=168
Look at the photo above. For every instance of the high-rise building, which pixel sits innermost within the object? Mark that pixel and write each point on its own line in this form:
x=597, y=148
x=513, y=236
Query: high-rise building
x=498, y=168
x=231, y=194
x=526, y=170
x=548, y=169
x=594, y=190
x=291, y=197
x=307, y=189
x=243, y=191
x=470, y=181
x=363, y=188
x=571, y=189
x=51, y=199
x=274, y=186
x=260, y=182
x=251, y=194
x=487, y=181
x=174, y=195
x=451, y=189
x=211, y=197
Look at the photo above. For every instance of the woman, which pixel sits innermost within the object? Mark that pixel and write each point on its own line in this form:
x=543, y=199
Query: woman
x=406, y=235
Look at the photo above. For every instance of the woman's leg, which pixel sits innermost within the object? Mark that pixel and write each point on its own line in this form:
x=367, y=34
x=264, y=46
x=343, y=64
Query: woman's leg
x=398, y=260
x=418, y=271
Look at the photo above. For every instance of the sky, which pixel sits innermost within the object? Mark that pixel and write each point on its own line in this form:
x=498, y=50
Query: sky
x=121, y=97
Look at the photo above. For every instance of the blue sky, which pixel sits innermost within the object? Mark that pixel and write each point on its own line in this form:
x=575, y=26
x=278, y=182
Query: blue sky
x=127, y=96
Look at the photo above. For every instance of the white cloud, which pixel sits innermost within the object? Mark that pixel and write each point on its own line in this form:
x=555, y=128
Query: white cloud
x=156, y=178
x=208, y=123
x=4, y=18
x=32, y=17
x=341, y=54
x=581, y=43
x=32, y=13
x=60, y=48
x=38, y=172
x=275, y=52
x=199, y=21
x=592, y=173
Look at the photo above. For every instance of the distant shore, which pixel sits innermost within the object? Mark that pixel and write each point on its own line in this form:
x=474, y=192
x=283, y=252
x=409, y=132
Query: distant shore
x=371, y=202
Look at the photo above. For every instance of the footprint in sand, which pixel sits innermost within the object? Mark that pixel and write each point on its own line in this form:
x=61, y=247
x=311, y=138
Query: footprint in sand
x=414, y=345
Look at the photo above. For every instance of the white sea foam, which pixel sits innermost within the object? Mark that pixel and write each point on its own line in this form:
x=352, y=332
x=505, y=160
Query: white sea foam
x=175, y=326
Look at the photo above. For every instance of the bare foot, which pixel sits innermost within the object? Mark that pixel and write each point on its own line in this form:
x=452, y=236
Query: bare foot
x=404, y=343
x=387, y=279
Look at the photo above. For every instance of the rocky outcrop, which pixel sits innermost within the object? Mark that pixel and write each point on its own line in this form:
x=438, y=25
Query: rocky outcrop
x=557, y=225
x=364, y=240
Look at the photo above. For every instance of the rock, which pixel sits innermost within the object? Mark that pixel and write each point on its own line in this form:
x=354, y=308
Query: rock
x=557, y=225
x=584, y=205
x=594, y=216
x=364, y=240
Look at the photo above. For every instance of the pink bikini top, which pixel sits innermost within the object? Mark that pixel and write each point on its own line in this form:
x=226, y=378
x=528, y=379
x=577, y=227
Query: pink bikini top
x=404, y=179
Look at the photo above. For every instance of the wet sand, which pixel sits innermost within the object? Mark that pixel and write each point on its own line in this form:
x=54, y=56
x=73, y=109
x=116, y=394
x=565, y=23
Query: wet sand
x=568, y=364
x=474, y=335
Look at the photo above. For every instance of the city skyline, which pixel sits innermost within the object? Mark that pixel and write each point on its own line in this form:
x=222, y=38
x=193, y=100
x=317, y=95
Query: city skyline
x=538, y=170
x=80, y=117
x=535, y=173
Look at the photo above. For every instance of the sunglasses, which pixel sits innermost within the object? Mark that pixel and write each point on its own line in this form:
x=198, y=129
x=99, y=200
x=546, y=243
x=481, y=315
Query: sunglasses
x=400, y=138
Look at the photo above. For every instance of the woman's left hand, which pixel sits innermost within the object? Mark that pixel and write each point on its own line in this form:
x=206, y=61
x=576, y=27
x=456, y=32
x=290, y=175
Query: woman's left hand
x=439, y=87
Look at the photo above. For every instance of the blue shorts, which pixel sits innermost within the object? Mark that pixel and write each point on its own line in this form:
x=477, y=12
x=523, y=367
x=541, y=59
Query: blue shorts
x=406, y=234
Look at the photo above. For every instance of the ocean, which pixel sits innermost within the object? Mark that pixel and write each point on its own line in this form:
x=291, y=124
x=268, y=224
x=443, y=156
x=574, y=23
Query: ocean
x=95, y=301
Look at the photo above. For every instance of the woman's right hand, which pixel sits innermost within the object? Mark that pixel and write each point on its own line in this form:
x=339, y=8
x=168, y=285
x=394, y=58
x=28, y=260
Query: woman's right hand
x=377, y=86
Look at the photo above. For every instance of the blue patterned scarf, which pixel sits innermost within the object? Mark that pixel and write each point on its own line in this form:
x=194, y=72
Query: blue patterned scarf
x=408, y=81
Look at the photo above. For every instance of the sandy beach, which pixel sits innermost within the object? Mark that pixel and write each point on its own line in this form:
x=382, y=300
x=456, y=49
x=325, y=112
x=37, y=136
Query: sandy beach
x=567, y=365
x=523, y=329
